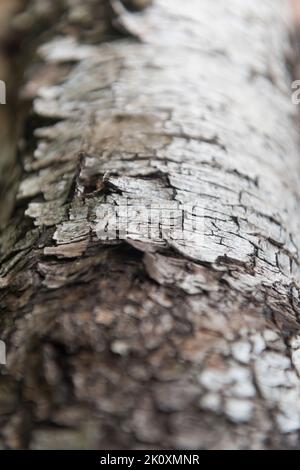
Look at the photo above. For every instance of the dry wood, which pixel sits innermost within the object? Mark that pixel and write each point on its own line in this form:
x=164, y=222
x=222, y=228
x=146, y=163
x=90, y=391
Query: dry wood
x=157, y=342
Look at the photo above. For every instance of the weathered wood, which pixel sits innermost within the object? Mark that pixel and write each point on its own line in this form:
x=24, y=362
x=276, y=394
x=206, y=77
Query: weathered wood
x=158, y=342
x=24, y=24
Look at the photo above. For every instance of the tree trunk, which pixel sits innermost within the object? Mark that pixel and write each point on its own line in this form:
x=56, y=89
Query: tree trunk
x=156, y=335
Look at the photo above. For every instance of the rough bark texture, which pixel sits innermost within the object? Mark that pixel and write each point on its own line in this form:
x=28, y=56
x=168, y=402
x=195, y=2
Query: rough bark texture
x=157, y=343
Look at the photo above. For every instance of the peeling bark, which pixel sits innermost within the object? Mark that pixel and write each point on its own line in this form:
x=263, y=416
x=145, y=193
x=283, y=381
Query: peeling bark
x=155, y=342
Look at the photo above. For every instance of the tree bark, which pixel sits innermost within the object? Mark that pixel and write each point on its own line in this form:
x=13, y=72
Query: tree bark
x=155, y=341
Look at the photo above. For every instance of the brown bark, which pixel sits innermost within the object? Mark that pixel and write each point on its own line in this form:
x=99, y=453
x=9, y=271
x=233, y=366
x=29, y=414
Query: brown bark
x=156, y=342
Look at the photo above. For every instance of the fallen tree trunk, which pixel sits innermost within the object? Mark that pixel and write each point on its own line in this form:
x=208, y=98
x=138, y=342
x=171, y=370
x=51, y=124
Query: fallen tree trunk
x=151, y=335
